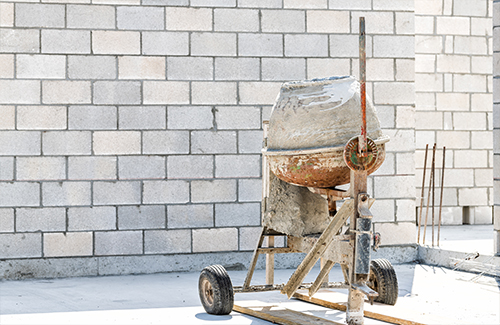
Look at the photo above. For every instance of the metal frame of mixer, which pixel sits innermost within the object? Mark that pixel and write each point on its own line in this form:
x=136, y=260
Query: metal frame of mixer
x=350, y=249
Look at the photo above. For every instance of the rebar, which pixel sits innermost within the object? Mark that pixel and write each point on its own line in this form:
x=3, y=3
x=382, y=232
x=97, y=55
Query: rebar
x=422, y=195
x=429, y=193
x=362, y=79
x=441, y=199
x=433, y=188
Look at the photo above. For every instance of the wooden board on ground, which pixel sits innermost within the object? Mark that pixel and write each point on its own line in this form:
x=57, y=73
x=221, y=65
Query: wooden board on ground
x=399, y=311
x=280, y=315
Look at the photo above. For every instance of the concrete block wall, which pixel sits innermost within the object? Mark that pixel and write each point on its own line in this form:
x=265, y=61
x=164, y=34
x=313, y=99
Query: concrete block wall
x=131, y=130
x=454, y=98
x=496, y=125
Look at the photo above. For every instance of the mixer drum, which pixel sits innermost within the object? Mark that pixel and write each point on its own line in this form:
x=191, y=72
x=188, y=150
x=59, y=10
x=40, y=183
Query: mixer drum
x=310, y=124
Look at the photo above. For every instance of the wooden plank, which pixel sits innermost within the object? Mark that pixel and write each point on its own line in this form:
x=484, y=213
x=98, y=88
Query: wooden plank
x=369, y=314
x=270, y=262
x=319, y=248
x=322, y=262
x=255, y=257
x=274, y=287
x=280, y=315
x=276, y=250
x=322, y=276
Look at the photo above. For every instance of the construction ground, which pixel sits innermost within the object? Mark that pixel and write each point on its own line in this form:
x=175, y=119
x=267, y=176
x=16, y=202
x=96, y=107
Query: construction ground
x=428, y=294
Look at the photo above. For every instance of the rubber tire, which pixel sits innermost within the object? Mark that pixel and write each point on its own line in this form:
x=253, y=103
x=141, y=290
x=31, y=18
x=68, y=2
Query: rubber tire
x=216, y=290
x=383, y=279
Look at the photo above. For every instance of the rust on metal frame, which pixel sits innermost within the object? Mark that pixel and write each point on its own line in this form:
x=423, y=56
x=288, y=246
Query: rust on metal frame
x=362, y=71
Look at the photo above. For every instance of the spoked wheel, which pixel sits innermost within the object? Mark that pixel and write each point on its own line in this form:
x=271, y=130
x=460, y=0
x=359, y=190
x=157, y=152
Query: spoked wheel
x=216, y=290
x=383, y=279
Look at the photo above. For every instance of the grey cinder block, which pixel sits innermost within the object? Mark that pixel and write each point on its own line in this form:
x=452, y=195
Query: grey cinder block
x=190, y=216
x=236, y=20
x=207, y=142
x=40, y=219
x=190, y=166
x=215, y=93
x=7, y=65
x=21, y=245
x=116, y=42
x=260, y=44
x=20, y=91
x=19, y=194
x=92, y=118
x=6, y=168
x=65, y=41
x=92, y=168
x=195, y=19
x=190, y=117
x=116, y=142
x=141, y=217
x=118, y=243
x=41, y=66
x=283, y=21
x=237, y=117
x=41, y=117
x=20, y=143
x=68, y=244
x=249, y=141
x=66, y=143
x=91, y=67
x=283, y=69
x=168, y=191
x=165, y=142
x=91, y=218
x=310, y=45
x=40, y=168
x=237, y=166
x=141, y=167
x=142, y=117
x=6, y=220
x=190, y=68
x=66, y=193
x=237, y=214
x=39, y=15
x=120, y=192
x=237, y=69
x=166, y=92
x=215, y=240
x=165, y=43
x=91, y=17
x=19, y=40
x=217, y=190
x=117, y=92
x=66, y=92
x=167, y=241
x=249, y=190
x=216, y=44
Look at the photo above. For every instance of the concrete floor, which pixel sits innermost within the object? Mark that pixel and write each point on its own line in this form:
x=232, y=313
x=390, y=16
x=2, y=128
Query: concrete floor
x=427, y=294
x=464, y=238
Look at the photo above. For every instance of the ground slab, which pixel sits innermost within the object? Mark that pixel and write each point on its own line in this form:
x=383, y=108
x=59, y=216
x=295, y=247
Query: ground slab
x=427, y=294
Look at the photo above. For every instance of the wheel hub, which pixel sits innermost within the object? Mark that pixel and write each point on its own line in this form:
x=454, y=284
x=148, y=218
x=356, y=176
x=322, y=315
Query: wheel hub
x=208, y=292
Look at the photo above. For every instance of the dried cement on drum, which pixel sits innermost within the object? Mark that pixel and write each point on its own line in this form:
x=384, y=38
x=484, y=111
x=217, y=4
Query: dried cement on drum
x=294, y=210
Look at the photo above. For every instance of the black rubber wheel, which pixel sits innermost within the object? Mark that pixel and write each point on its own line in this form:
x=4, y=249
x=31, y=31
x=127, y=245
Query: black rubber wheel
x=216, y=290
x=383, y=279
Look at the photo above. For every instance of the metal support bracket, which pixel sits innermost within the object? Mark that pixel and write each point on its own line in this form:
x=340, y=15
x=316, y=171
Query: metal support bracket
x=363, y=233
x=363, y=207
x=371, y=294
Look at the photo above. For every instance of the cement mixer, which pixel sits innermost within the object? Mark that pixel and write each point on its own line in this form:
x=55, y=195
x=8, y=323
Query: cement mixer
x=312, y=146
